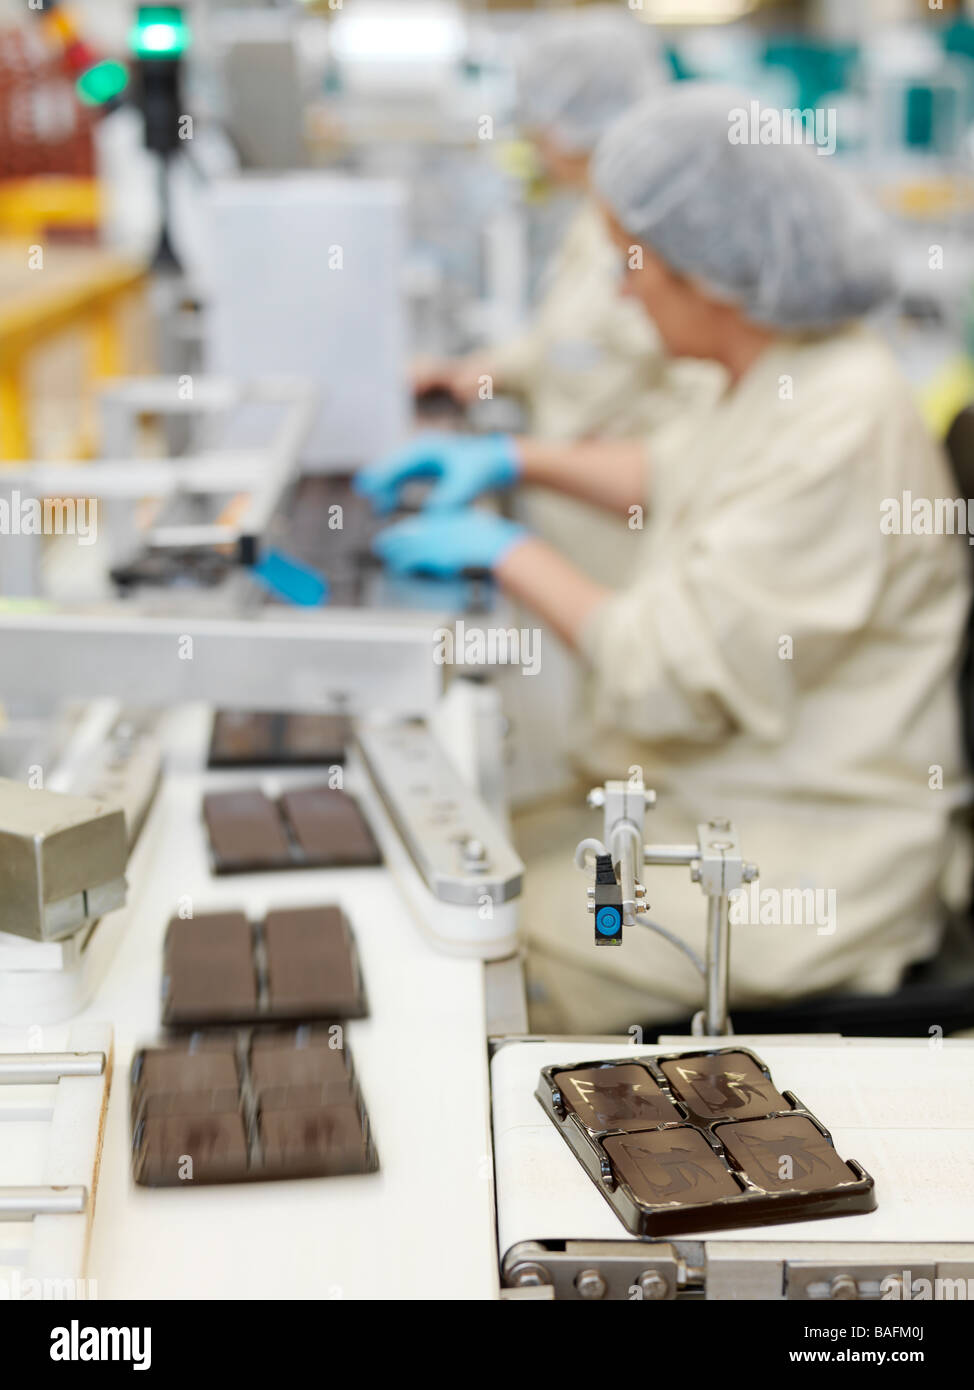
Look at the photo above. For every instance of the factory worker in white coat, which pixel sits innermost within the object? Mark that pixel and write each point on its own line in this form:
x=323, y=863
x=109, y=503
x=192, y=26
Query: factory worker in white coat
x=589, y=364
x=780, y=655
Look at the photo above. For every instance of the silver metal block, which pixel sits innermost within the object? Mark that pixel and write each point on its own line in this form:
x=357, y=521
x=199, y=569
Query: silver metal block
x=62, y=861
x=459, y=849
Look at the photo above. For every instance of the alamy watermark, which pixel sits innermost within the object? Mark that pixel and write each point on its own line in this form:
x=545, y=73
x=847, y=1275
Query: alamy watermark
x=907, y=515
x=755, y=124
x=491, y=646
x=755, y=906
x=29, y=1288
x=49, y=516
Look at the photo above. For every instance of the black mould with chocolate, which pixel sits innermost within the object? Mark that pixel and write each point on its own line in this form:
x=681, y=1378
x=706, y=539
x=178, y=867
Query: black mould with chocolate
x=700, y=1141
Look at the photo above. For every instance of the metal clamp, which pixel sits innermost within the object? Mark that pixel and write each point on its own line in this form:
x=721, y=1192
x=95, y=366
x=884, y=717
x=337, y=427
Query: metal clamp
x=715, y=862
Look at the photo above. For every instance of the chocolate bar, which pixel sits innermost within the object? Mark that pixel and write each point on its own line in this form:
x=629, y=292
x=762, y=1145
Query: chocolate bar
x=298, y=963
x=246, y=739
x=246, y=832
x=210, y=970
x=789, y=1154
x=314, y=828
x=723, y=1085
x=176, y=1070
x=329, y=827
x=312, y=969
x=328, y=1142
x=283, y=1105
x=241, y=738
x=699, y=1141
x=620, y=1097
x=670, y=1165
x=192, y=1149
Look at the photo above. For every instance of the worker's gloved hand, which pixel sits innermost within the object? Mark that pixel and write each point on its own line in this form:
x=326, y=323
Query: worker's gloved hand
x=465, y=466
x=447, y=544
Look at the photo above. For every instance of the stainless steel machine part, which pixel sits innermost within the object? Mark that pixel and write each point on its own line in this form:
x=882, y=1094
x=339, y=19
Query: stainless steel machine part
x=62, y=861
x=453, y=840
x=715, y=862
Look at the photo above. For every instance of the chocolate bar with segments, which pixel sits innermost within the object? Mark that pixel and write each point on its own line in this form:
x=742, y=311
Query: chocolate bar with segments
x=193, y=1149
x=329, y=827
x=327, y=1141
x=300, y=963
x=246, y=832
x=312, y=969
x=210, y=972
x=309, y=828
x=242, y=738
x=294, y=1109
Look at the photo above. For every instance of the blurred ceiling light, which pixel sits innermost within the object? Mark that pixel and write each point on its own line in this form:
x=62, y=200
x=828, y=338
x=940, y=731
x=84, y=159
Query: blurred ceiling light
x=160, y=31
x=396, y=32
x=694, y=11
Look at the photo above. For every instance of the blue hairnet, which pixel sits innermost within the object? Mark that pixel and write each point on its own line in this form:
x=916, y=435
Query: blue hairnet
x=582, y=72
x=776, y=229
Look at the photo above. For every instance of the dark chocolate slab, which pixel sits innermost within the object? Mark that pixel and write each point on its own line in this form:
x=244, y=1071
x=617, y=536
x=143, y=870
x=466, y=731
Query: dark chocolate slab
x=666, y=1166
x=292, y=1109
x=312, y=968
x=621, y=1097
x=177, y=1069
x=723, y=1085
x=242, y=738
x=209, y=974
x=300, y=963
x=188, y=1149
x=315, y=738
x=296, y=1066
x=788, y=1154
x=246, y=833
x=321, y=1141
x=217, y=1102
x=245, y=739
x=329, y=827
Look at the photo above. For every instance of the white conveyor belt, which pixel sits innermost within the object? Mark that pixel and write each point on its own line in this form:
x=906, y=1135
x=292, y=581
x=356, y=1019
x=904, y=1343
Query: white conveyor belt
x=423, y=1225
x=904, y=1109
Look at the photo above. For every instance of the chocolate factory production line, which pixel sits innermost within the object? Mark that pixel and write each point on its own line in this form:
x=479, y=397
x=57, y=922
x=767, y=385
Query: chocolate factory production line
x=421, y=1058
x=467, y=1158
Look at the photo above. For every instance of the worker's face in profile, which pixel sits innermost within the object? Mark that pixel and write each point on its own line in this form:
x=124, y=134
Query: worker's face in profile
x=685, y=317
x=562, y=168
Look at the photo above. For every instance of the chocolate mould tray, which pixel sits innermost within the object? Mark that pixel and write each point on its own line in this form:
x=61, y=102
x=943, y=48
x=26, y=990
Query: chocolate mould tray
x=700, y=1141
x=241, y=1106
x=296, y=964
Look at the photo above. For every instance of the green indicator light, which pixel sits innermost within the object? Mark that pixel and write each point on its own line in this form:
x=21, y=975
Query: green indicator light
x=102, y=83
x=160, y=32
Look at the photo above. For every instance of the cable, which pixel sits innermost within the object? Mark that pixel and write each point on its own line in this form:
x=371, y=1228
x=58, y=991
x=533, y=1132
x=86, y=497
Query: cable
x=674, y=941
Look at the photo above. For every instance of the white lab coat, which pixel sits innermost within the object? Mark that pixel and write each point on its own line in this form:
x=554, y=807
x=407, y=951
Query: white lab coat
x=591, y=366
x=778, y=659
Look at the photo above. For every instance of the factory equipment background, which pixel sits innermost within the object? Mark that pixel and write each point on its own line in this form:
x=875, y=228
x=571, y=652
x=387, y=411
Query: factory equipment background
x=485, y=694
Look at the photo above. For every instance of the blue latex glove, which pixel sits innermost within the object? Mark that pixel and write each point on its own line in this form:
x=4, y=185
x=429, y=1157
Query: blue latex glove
x=447, y=544
x=466, y=466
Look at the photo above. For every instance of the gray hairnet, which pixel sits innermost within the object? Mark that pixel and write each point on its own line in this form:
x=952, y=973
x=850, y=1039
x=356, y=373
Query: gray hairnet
x=582, y=71
x=776, y=229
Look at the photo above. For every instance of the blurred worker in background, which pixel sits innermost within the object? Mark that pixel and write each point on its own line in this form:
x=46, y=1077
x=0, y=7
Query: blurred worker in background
x=777, y=658
x=589, y=364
